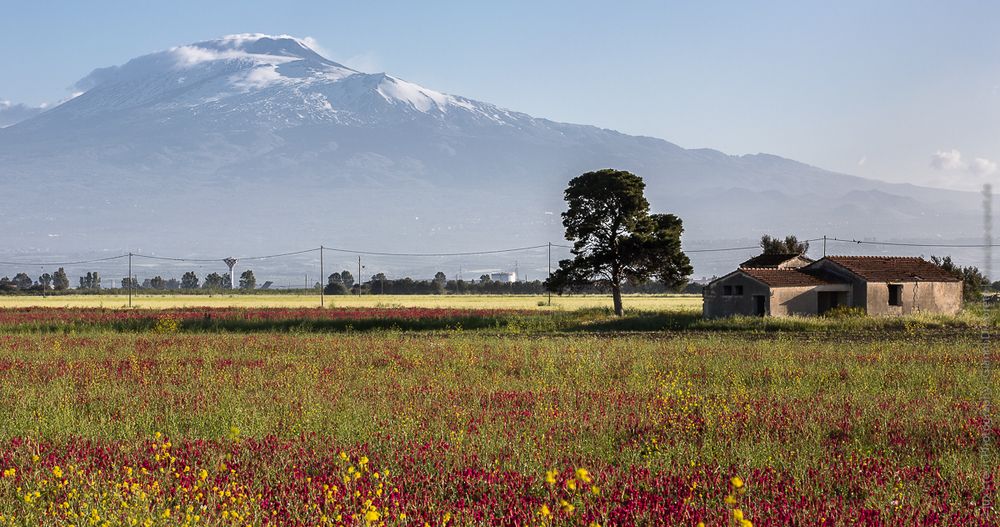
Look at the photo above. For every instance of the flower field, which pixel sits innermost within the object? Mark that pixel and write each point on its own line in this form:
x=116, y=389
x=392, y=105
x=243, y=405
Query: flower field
x=453, y=428
x=47, y=319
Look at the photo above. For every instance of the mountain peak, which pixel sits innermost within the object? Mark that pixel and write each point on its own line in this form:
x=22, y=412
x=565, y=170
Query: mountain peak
x=257, y=55
x=249, y=45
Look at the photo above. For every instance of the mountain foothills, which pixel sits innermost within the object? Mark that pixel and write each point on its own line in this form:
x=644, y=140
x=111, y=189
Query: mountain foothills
x=251, y=142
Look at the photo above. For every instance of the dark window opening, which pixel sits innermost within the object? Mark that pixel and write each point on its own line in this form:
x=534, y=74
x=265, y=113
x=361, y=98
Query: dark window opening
x=739, y=290
x=895, y=294
x=727, y=290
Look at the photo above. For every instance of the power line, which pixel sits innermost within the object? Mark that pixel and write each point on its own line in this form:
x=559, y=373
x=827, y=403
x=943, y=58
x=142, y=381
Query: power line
x=168, y=258
x=722, y=249
x=715, y=250
x=904, y=244
x=81, y=262
x=279, y=255
x=265, y=257
x=470, y=253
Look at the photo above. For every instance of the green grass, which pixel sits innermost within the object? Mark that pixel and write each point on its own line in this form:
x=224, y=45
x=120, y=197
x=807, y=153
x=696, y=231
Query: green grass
x=757, y=401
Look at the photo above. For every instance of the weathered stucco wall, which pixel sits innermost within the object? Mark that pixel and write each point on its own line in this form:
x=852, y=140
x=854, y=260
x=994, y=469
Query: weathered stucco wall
x=859, y=292
x=793, y=301
x=716, y=304
x=802, y=300
x=917, y=297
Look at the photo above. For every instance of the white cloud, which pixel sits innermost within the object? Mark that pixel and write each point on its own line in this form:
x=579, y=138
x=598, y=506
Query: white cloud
x=981, y=166
x=951, y=161
x=188, y=56
x=862, y=161
x=366, y=62
x=314, y=45
x=259, y=77
x=947, y=160
x=11, y=113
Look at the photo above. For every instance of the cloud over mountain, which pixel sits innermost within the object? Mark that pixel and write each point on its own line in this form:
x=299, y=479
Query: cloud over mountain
x=11, y=113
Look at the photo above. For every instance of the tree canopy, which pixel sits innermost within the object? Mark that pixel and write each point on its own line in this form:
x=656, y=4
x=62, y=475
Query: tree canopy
x=790, y=245
x=615, y=238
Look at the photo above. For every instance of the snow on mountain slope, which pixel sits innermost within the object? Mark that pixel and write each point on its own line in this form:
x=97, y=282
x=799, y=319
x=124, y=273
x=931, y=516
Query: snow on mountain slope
x=201, y=133
x=277, y=79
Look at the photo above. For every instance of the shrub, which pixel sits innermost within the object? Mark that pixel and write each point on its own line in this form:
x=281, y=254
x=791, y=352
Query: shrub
x=845, y=312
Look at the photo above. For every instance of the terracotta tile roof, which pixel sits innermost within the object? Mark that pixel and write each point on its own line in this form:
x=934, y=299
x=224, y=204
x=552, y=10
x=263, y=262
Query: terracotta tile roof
x=893, y=268
x=771, y=260
x=788, y=277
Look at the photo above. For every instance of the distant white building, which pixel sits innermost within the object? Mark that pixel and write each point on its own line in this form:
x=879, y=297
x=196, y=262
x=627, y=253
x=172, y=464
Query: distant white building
x=504, y=277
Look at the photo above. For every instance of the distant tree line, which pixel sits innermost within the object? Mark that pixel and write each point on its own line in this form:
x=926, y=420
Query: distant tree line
x=343, y=283
x=91, y=282
x=57, y=281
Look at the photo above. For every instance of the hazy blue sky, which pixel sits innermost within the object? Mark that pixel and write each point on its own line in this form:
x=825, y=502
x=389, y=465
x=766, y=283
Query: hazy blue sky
x=897, y=90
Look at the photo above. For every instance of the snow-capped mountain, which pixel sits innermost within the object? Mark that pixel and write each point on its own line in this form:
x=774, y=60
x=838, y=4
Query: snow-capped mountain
x=259, y=141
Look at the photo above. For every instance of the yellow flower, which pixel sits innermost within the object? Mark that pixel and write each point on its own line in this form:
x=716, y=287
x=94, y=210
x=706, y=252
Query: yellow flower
x=566, y=506
x=203, y=474
x=746, y=523
x=544, y=512
x=550, y=477
x=595, y=490
x=594, y=524
x=583, y=475
x=738, y=515
x=363, y=461
x=372, y=516
x=343, y=455
x=57, y=472
x=700, y=524
x=571, y=485
x=730, y=500
x=737, y=482
x=446, y=518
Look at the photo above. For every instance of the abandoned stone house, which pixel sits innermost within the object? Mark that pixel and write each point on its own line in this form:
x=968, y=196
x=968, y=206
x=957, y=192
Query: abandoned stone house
x=791, y=284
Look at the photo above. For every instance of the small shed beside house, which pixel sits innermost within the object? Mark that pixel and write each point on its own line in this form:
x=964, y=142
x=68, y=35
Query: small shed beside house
x=881, y=285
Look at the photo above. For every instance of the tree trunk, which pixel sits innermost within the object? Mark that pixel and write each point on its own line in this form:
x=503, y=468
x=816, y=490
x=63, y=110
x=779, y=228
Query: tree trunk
x=616, y=294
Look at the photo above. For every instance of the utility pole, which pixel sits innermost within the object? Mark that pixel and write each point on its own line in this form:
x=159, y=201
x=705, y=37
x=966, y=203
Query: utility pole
x=550, y=272
x=321, y=275
x=129, y=279
x=359, y=275
x=824, y=246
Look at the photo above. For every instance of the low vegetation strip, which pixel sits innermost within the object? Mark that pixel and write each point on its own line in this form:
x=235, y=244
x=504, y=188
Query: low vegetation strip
x=475, y=429
x=207, y=319
x=259, y=319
